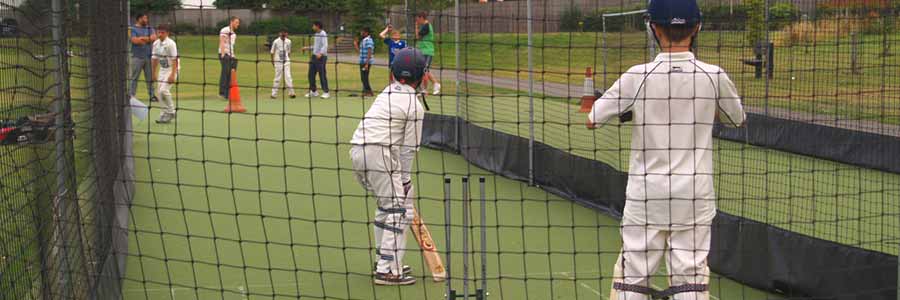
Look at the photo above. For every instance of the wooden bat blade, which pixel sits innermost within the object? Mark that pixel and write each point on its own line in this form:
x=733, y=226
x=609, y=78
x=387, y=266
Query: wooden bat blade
x=429, y=250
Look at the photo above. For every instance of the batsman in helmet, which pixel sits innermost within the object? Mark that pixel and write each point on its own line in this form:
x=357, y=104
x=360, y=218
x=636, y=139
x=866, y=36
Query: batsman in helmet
x=384, y=148
x=673, y=101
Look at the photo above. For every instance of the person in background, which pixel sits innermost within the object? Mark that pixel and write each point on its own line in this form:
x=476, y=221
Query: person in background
x=425, y=43
x=317, y=61
x=395, y=44
x=142, y=38
x=165, y=71
x=281, y=61
x=227, y=38
x=366, y=49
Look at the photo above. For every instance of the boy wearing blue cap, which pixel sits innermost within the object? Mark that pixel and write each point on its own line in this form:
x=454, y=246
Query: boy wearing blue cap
x=670, y=201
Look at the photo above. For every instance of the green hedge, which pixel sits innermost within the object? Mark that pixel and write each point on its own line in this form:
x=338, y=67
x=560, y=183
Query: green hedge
x=725, y=17
x=293, y=24
x=569, y=19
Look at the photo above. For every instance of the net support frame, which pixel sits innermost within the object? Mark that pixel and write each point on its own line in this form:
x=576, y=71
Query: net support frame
x=530, y=21
x=605, y=36
x=59, y=237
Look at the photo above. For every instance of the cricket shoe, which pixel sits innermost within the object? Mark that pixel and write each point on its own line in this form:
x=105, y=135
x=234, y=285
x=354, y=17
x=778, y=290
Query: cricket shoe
x=293, y=96
x=391, y=279
x=326, y=95
x=273, y=96
x=406, y=269
x=312, y=94
x=165, y=119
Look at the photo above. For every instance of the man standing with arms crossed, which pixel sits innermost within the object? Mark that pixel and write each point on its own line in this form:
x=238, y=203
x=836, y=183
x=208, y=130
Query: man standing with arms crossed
x=669, y=200
x=318, y=60
x=227, y=38
x=425, y=43
x=142, y=38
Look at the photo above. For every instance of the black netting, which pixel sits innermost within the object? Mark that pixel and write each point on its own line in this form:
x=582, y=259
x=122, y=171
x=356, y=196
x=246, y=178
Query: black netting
x=104, y=199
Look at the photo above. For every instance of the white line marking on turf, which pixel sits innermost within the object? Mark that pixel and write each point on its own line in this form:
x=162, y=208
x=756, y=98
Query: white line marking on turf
x=582, y=284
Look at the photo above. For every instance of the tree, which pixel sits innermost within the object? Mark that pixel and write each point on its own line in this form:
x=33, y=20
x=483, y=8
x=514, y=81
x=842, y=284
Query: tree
x=365, y=13
x=756, y=21
x=154, y=6
x=236, y=4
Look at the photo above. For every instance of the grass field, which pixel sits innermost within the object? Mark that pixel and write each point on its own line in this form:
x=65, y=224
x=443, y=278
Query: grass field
x=809, y=77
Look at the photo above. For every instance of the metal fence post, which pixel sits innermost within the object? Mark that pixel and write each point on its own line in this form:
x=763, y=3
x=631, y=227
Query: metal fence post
x=458, y=63
x=530, y=94
x=60, y=245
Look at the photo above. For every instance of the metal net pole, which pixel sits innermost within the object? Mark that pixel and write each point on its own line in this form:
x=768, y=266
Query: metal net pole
x=530, y=93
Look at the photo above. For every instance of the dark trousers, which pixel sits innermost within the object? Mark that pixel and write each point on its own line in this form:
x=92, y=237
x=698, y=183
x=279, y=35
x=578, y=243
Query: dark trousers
x=317, y=66
x=364, y=75
x=138, y=65
x=225, y=77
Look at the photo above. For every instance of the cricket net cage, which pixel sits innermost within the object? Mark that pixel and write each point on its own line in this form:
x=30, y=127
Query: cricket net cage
x=522, y=201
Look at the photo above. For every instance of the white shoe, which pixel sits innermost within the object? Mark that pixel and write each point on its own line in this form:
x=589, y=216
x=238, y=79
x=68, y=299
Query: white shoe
x=437, y=89
x=312, y=94
x=326, y=95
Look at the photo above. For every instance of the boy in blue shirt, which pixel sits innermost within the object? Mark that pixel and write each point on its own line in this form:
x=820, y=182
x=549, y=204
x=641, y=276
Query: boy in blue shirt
x=366, y=58
x=395, y=44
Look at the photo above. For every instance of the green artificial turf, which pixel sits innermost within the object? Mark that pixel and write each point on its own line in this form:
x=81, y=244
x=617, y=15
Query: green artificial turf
x=254, y=205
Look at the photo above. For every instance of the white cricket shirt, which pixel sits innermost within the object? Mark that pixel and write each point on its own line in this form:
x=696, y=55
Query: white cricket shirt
x=674, y=100
x=167, y=53
x=394, y=120
x=281, y=49
x=231, y=38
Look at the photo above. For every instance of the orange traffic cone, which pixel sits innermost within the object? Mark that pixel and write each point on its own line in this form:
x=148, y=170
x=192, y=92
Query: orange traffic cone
x=234, y=96
x=588, y=98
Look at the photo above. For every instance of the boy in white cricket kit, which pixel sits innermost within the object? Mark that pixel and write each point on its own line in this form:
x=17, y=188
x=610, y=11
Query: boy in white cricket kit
x=165, y=71
x=281, y=61
x=670, y=200
x=384, y=147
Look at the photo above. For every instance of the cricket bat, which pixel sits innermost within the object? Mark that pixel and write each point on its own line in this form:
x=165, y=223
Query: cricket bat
x=429, y=250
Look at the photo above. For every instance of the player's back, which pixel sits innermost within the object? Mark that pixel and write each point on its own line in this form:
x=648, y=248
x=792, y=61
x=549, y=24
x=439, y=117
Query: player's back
x=394, y=117
x=674, y=101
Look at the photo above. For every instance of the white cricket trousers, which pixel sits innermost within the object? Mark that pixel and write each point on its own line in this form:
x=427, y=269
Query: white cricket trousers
x=283, y=70
x=164, y=90
x=643, y=248
x=378, y=170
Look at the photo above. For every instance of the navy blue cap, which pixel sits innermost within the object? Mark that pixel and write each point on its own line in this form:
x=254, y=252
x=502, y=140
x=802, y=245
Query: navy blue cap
x=409, y=64
x=674, y=12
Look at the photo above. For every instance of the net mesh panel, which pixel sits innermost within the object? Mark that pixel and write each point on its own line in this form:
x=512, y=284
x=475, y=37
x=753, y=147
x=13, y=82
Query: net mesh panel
x=264, y=204
x=56, y=202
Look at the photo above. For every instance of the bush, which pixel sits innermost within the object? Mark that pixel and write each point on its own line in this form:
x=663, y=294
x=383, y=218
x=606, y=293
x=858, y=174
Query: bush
x=782, y=14
x=184, y=28
x=570, y=19
x=725, y=17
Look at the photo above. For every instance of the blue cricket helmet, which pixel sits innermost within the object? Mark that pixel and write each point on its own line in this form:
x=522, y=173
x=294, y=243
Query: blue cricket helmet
x=409, y=65
x=674, y=12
